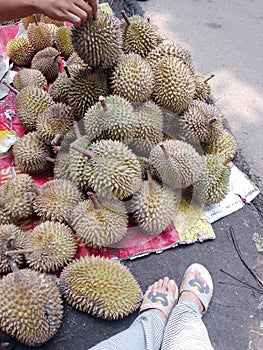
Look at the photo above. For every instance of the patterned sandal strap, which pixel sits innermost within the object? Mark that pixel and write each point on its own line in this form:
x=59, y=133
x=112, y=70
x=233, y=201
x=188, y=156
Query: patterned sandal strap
x=157, y=300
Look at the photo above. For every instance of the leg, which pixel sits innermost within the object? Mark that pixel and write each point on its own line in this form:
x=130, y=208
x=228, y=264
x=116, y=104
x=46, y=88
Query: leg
x=146, y=332
x=185, y=329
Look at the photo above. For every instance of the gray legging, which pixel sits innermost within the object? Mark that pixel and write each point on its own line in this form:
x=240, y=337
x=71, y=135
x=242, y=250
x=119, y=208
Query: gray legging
x=185, y=330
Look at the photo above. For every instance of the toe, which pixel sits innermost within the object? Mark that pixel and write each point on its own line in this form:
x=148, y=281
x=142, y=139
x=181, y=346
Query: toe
x=160, y=285
x=165, y=284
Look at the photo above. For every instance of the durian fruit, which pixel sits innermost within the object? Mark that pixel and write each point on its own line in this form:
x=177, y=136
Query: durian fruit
x=30, y=154
x=53, y=124
x=176, y=163
x=30, y=307
x=39, y=35
x=4, y=217
x=85, y=89
x=174, y=84
x=56, y=200
x=138, y=35
x=74, y=59
x=53, y=246
x=103, y=287
x=46, y=19
x=132, y=79
x=29, y=77
x=47, y=61
x=98, y=42
x=30, y=103
x=19, y=192
x=20, y=51
x=62, y=166
x=30, y=19
x=170, y=48
x=63, y=41
x=114, y=170
x=153, y=206
x=99, y=225
x=148, y=129
x=201, y=122
x=225, y=144
x=213, y=184
x=11, y=238
x=112, y=118
x=203, y=89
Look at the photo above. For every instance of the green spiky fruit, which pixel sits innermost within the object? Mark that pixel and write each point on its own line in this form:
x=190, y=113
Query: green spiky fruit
x=225, y=144
x=20, y=51
x=39, y=36
x=98, y=42
x=105, y=288
x=99, y=225
x=62, y=166
x=30, y=154
x=139, y=36
x=30, y=103
x=63, y=41
x=19, y=193
x=56, y=120
x=153, y=207
x=10, y=239
x=203, y=89
x=148, y=129
x=29, y=77
x=4, y=217
x=53, y=246
x=201, y=122
x=31, y=305
x=53, y=28
x=170, y=48
x=56, y=200
x=85, y=89
x=174, y=85
x=114, y=169
x=213, y=185
x=176, y=163
x=133, y=79
x=47, y=61
x=74, y=59
x=111, y=118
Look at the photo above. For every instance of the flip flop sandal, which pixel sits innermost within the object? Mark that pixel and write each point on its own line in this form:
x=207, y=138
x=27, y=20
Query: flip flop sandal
x=198, y=280
x=160, y=301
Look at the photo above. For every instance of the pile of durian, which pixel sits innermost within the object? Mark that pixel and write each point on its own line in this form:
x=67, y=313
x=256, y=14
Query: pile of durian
x=124, y=128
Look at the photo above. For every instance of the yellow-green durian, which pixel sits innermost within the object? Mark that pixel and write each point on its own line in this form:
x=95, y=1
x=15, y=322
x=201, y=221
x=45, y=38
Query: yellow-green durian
x=47, y=61
x=203, y=89
x=20, y=51
x=225, y=144
x=39, y=36
x=63, y=41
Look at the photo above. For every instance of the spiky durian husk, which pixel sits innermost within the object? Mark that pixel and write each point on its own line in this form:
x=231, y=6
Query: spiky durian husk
x=19, y=193
x=30, y=154
x=105, y=288
x=201, y=122
x=203, y=89
x=31, y=305
x=20, y=51
x=8, y=232
x=46, y=19
x=117, y=122
x=57, y=119
x=74, y=59
x=30, y=19
x=63, y=41
x=114, y=170
x=174, y=85
x=225, y=144
x=53, y=246
x=139, y=36
x=99, y=227
x=170, y=48
x=30, y=103
x=53, y=28
x=4, y=217
x=47, y=61
x=153, y=207
x=148, y=128
x=98, y=43
x=85, y=89
x=29, y=77
x=39, y=36
x=56, y=200
x=213, y=185
x=176, y=163
x=62, y=166
x=132, y=79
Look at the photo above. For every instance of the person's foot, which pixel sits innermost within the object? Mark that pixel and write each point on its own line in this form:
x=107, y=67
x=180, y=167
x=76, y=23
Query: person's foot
x=197, y=285
x=161, y=296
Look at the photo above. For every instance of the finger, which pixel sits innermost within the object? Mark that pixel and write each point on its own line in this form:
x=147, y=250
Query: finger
x=93, y=4
x=83, y=5
x=83, y=15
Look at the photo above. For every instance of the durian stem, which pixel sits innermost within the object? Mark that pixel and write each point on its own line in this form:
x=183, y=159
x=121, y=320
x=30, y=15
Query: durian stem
x=211, y=121
x=103, y=103
x=12, y=264
x=149, y=175
x=56, y=149
x=51, y=160
x=35, y=19
x=13, y=171
x=67, y=71
x=164, y=150
x=126, y=18
x=57, y=56
x=10, y=245
x=19, y=251
x=2, y=201
x=96, y=73
x=10, y=87
x=56, y=139
x=76, y=130
x=207, y=79
x=94, y=200
x=228, y=159
x=82, y=150
x=148, y=20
